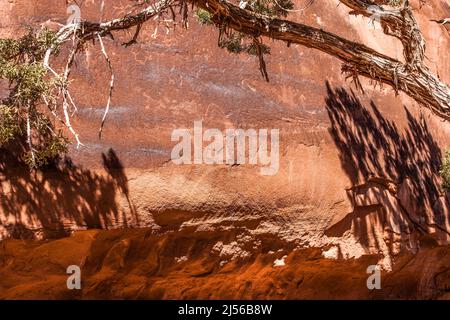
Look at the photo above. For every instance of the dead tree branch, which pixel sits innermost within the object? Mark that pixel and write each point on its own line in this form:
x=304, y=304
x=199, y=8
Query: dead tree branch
x=411, y=76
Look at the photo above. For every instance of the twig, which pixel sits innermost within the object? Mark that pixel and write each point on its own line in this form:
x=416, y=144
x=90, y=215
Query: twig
x=111, y=85
x=30, y=143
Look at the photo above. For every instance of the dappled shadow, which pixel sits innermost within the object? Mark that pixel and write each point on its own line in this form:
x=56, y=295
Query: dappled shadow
x=393, y=170
x=58, y=198
x=114, y=167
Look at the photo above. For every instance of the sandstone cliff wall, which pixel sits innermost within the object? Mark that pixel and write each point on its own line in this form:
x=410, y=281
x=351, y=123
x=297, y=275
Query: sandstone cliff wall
x=358, y=173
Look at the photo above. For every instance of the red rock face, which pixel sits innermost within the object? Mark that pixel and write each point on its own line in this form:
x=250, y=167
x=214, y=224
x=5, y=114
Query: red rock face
x=358, y=172
x=136, y=264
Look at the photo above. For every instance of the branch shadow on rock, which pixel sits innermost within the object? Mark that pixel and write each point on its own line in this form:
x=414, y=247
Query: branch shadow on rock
x=394, y=172
x=61, y=197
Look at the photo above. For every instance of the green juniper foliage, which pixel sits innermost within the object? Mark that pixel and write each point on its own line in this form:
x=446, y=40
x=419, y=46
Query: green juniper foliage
x=203, y=16
x=22, y=69
x=395, y=3
x=236, y=42
x=273, y=8
x=445, y=171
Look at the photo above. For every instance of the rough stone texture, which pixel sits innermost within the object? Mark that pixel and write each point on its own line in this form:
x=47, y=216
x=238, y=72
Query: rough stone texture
x=358, y=173
x=136, y=264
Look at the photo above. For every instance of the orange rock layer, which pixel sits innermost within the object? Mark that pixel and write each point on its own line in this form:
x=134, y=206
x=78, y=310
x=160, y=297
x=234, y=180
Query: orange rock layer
x=136, y=264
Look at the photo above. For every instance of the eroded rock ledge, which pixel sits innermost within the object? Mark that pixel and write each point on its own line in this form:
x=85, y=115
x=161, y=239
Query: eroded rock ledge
x=136, y=264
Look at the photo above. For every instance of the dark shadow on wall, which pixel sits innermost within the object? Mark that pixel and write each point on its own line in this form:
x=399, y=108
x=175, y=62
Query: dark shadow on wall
x=371, y=147
x=369, y=144
x=115, y=169
x=57, y=197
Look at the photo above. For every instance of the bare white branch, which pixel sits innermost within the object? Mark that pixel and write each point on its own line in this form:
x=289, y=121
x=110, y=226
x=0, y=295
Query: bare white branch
x=111, y=84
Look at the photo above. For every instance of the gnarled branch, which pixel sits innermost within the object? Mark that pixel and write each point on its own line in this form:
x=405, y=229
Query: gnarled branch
x=411, y=77
x=417, y=81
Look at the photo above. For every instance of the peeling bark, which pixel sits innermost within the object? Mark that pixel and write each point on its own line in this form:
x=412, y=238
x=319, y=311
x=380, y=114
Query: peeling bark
x=399, y=23
x=413, y=78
